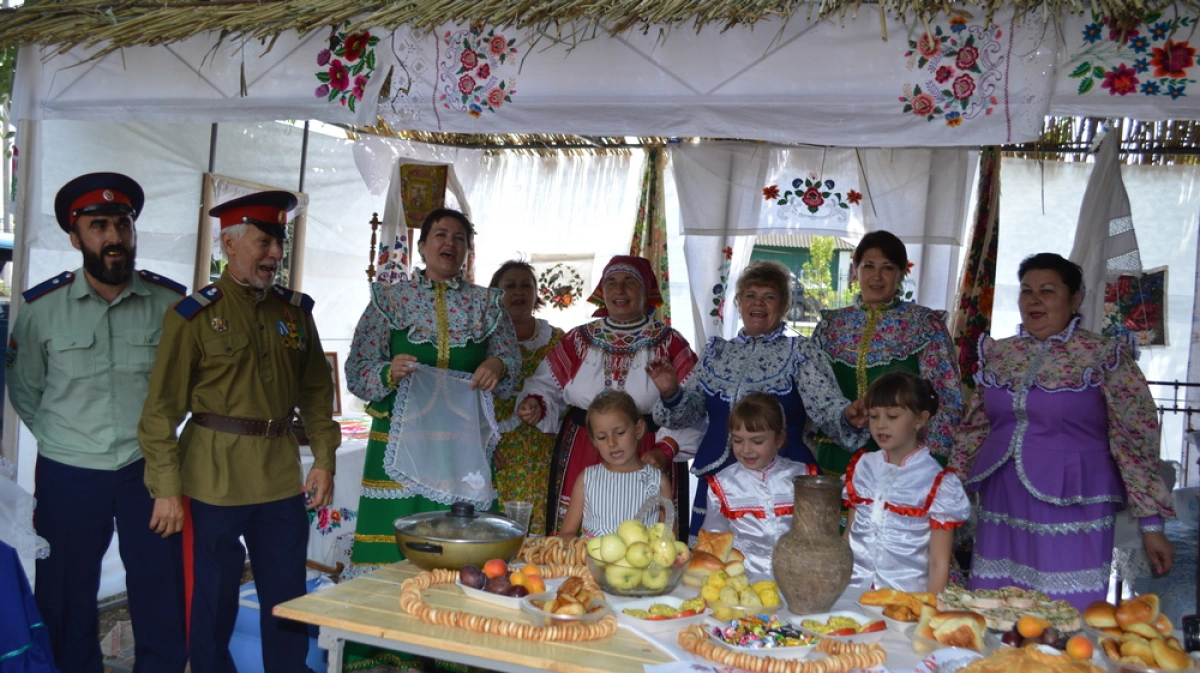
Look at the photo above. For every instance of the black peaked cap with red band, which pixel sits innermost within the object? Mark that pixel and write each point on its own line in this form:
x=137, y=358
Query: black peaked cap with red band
x=98, y=194
x=266, y=210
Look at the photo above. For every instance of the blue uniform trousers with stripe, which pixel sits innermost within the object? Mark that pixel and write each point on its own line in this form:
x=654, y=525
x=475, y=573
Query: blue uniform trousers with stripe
x=276, y=535
x=76, y=509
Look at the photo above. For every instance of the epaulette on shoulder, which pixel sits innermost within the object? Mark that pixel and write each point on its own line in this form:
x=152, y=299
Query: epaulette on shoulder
x=190, y=306
x=295, y=298
x=46, y=287
x=151, y=277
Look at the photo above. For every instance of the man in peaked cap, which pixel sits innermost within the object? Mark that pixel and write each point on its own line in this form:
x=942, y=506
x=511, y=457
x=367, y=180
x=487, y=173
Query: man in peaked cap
x=79, y=362
x=241, y=355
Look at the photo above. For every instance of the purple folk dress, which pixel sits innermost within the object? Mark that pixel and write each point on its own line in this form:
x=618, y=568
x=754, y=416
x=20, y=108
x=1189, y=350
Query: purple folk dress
x=1060, y=435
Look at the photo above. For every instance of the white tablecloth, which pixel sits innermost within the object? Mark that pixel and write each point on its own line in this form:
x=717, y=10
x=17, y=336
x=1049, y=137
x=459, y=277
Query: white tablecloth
x=331, y=529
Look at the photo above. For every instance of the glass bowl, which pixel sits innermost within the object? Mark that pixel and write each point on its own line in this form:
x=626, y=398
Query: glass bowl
x=653, y=580
x=539, y=617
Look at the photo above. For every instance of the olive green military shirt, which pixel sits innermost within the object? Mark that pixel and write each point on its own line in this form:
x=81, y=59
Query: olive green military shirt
x=230, y=350
x=79, y=367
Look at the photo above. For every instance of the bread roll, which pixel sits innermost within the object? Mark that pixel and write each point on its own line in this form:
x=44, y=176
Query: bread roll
x=1144, y=630
x=1168, y=657
x=959, y=629
x=735, y=554
x=1163, y=625
x=699, y=567
x=1143, y=609
x=1100, y=614
x=1138, y=648
x=717, y=544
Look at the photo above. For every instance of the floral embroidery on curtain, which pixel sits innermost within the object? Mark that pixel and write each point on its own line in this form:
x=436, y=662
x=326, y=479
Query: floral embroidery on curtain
x=1150, y=55
x=350, y=62
x=650, y=228
x=975, y=295
x=472, y=68
x=813, y=198
x=963, y=69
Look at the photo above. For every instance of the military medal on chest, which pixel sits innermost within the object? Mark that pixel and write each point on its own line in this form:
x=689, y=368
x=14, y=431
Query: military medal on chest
x=291, y=333
x=219, y=324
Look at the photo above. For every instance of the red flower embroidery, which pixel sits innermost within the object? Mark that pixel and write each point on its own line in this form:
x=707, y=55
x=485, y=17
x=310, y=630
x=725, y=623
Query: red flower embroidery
x=963, y=87
x=966, y=57
x=944, y=73
x=360, y=87
x=355, y=44
x=1122, y=81
x=1110, y=292
x=339, y=78
x=812, y=197
x=484, y=71
x=469, y=60
x=1142, y=317
x=728, y=252
x=854, y=197
x=466, y=84
x=771, y=193
x=1173, y=59
x=928, y=46
x=497, y=45
x=495, y=97
x=922, y=104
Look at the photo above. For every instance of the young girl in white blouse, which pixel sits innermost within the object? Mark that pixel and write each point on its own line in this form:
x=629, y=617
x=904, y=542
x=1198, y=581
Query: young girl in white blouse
x=754, y=497
x=613, y=491
x=904, y=506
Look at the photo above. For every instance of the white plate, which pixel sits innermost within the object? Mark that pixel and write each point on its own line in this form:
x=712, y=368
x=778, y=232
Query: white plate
x=504, y=601
x=922, y=645
x=860, y=638
x=656, y=625
x=876, y=612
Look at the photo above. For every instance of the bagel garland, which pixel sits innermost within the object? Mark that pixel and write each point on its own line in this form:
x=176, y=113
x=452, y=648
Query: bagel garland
x=412, y=602
x=842, y=656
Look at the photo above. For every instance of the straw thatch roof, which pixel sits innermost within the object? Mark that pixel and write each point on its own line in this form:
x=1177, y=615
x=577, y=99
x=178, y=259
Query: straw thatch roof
x=146, y=22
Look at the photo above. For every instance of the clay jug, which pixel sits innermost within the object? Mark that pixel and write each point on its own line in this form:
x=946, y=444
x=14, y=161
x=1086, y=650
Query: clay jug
x=812, y=562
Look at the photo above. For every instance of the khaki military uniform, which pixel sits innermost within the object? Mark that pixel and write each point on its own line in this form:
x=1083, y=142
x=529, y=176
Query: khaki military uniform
x=227, y=351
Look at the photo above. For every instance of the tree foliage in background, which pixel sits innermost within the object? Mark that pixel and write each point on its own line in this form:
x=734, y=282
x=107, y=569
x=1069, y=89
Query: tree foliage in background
x=8, y=67
x=815, y=275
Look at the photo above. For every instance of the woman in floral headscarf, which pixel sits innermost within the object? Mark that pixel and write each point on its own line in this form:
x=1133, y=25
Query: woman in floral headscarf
x=881, y=333
x=608, y=353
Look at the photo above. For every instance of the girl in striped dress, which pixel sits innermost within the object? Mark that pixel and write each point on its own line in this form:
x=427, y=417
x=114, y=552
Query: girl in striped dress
x=614, y=490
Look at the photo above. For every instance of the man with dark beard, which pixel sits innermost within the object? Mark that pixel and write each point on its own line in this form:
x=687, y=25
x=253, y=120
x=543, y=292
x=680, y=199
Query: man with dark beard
x=79, y=362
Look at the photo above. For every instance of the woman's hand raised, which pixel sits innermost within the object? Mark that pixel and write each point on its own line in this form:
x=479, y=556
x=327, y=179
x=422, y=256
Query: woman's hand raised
x=856, y=414
x=664, y=376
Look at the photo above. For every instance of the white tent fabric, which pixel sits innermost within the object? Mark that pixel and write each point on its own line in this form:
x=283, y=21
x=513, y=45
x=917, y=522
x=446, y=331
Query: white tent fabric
x=202, y=79
x=1105, y=242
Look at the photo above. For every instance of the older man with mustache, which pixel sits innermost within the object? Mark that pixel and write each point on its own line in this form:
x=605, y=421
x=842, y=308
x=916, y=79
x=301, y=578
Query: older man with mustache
x=241, y=355
x=79, y=364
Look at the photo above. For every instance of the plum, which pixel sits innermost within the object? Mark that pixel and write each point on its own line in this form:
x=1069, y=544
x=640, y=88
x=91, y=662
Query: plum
x=1012, y=638
x=1050, y=636
x=497, y=585
x=517, y=591
x=472, y=576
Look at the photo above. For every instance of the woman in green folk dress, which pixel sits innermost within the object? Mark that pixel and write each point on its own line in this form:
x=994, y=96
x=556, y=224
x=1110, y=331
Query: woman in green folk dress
x=522, y=457
x=436, y=319
x=881, y=333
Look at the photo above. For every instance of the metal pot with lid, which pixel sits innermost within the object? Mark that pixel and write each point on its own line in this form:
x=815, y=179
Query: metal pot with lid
x=461, y=536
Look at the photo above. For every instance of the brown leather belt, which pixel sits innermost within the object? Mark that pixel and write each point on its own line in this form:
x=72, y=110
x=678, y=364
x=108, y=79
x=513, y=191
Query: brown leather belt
x=244, y=426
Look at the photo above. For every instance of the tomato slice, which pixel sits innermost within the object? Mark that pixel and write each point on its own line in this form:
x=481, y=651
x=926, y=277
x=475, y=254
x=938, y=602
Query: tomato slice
x=843, y=632
x=686, y=613
x=656, y=618
x=871, y=627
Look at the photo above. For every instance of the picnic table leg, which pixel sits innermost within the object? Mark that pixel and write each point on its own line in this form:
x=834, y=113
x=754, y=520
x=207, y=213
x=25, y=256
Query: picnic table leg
x=333, y=645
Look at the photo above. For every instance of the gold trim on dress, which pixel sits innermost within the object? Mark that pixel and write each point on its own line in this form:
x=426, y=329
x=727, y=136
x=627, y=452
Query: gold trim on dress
x=377, y=414
x=381, y=483
x=378, y=436
x=443, y=325
x=860, y=367
x=362, y=537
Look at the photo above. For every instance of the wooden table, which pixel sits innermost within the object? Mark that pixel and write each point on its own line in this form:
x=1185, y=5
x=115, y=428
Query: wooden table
x=367, y=610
